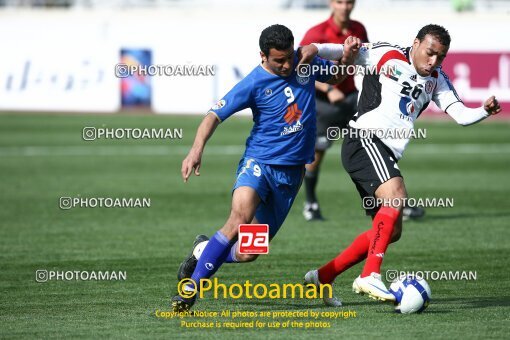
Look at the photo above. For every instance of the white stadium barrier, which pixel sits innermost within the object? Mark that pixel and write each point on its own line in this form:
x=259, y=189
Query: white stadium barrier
x=61, y=60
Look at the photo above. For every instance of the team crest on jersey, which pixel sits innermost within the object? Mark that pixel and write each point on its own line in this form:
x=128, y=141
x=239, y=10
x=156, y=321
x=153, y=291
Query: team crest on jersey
x=219, y=104
x=268, y=92
x=302, y=80
x=429, y=86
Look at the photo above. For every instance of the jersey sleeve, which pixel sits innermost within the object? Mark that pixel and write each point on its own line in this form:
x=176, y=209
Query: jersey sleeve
x=237, y=99
x=444, y=94
x=321, y=75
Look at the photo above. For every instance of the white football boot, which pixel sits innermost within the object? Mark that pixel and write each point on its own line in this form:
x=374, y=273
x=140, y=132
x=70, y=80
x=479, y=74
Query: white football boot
x=313, y=277
x=373, y=286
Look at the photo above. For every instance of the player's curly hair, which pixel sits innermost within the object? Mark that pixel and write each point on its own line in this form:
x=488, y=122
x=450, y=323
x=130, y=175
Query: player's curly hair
x=275, y=36
x=437, y=31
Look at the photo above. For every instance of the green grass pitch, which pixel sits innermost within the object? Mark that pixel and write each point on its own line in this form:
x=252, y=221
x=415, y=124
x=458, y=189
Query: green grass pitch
x=43, y=157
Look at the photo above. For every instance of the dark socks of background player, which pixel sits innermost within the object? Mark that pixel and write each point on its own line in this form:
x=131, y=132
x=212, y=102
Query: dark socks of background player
x=311, y=178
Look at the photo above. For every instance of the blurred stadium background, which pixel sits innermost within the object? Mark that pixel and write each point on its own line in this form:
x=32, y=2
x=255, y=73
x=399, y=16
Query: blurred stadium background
x=57, y=76
x=62, y=54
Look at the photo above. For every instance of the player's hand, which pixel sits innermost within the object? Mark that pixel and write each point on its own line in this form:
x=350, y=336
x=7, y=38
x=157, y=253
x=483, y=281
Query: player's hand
x=307, y=53
x=335, y=95
x=351, y=50
x=191, y=163
x=492, y=106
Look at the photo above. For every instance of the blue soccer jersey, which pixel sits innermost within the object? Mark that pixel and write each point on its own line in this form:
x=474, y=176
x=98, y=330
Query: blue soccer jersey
x=283, y=113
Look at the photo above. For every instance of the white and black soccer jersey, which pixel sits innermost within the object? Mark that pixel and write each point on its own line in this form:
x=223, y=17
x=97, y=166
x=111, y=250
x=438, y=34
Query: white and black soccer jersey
x=394, y=97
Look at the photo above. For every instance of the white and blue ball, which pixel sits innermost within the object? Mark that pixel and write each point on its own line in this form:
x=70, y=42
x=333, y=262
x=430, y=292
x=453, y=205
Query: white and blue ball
x=412, y=294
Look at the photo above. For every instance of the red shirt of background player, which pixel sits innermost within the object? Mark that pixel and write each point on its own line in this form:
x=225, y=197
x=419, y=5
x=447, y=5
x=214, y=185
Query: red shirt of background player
x=329, y=32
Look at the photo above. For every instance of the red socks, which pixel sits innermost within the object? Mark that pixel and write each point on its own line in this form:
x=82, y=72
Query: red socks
x=373, y=241
x=353, y=254
x=382, y=229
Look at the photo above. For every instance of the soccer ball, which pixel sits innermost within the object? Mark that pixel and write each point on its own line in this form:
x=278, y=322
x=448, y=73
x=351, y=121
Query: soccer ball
x=412, y=294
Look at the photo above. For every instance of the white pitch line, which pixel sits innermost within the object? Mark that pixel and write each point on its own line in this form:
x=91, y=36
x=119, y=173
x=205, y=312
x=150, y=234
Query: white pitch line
x=218, y=150
x=125, y=150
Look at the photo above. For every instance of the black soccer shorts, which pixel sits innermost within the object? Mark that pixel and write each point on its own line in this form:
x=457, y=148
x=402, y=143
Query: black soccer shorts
x=370, y=163
x=333, y=115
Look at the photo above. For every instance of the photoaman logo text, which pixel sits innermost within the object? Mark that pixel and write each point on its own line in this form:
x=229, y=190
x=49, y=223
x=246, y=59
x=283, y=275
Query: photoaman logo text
x=188, y=288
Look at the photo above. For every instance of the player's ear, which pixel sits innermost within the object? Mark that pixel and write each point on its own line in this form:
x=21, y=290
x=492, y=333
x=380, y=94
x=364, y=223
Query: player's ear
x=263, y=56
x=416, y=43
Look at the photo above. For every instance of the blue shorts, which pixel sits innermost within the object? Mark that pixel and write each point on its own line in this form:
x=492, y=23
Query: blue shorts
x=276, y=185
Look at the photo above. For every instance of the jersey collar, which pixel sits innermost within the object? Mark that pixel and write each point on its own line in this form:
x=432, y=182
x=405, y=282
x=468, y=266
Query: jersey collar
x=407, y=53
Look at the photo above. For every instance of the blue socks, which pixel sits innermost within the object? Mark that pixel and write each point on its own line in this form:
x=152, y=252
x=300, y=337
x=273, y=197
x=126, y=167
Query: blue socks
x=213, y=256
x=231, y=257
